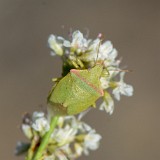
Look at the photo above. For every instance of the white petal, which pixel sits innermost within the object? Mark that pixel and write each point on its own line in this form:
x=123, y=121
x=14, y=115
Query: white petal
x=92, y=141
x=64, y=135
x=86, y=127
x=107, y=105
x=113, y=54
x=52, y=157
x=52, y=53
x=27, y=131
x=55, y=45
x=37, y=115
x=79, y=43
x=122, y=89
x=41, y=125
x=127, y=90
x=122, y=74
x=67, y=43
x=82, y=114
x=116, y=93
x=104, y=83
x=78, y=149
x=60, y=155
x=60, y=39
x=106, y=47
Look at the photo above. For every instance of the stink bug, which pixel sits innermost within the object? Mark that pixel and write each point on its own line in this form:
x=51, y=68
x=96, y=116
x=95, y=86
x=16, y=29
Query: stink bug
x=77, y=91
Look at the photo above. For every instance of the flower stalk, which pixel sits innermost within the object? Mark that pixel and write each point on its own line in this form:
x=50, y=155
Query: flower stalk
x=46, y=138
x=33, y=145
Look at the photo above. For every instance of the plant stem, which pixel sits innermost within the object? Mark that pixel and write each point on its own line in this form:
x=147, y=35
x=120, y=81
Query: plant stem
x=46, y=138
x=32, y=147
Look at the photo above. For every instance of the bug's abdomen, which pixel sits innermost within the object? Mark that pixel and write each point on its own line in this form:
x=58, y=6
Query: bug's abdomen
x=82, y=96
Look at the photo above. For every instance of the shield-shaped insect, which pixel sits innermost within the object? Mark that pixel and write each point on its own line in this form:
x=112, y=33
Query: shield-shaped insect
x=77, y=91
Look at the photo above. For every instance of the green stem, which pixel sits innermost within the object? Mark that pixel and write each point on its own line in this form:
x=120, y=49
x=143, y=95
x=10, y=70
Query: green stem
x=46, y=138
x=32, y=147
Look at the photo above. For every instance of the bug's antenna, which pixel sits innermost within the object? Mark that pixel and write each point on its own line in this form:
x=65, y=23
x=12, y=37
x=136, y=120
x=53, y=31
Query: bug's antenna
x=70, y=33
x=121, y=70
x=100, y=42
x=87, y=32
x=63, y=27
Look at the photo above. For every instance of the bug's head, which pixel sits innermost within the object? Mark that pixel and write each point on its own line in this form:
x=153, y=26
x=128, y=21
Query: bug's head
x=57, y=109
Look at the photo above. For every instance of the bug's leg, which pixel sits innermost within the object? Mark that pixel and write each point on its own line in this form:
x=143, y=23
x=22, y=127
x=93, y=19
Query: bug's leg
x=75, y=64
x=72, y=61
x=105, y=73
x=80, y=63
x=82, y=114
x=94, y=105
x=56, y=79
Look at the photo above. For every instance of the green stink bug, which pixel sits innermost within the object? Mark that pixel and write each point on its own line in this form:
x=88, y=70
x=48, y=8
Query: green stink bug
x=77, y=91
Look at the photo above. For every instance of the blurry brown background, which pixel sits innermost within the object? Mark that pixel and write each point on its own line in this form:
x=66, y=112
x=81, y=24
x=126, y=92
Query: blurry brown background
x=133, y=131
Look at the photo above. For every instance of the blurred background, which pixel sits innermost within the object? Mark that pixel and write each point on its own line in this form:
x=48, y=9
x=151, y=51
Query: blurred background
x=26, y=67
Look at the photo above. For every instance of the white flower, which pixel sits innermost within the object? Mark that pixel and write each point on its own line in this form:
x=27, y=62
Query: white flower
x=41, y=125
x=79, y=43
x=107, y=52
x=93, y=50
x=91, y=141
x=94, y=45
x=104, y=82
x=27, y=131
x=113, y=71
x=66, y=148
x=106, y=79
x=104, y=52
x=56, y=44
x=122, y=88
x=106, y=48
x=84, y=127
x=107, y=104
x=52, y=157
x=64, y=135
x=78, y=149
x=37, y=115
x=66, y=43
x=77, y=124
x=60, y=155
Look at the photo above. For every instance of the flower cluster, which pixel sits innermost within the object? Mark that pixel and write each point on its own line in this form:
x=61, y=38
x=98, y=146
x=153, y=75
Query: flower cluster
x=82, y=53
x=70, y=139
x=53, y=136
